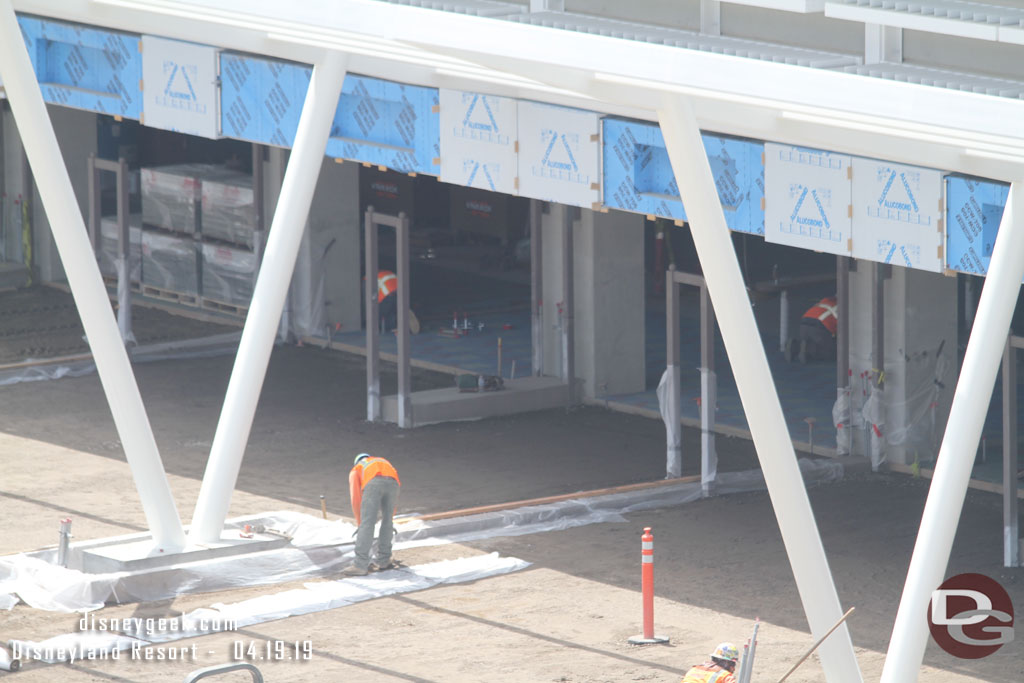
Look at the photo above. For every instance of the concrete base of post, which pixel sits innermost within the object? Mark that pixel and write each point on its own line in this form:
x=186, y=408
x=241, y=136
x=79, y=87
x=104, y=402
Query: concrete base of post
x=653, y=640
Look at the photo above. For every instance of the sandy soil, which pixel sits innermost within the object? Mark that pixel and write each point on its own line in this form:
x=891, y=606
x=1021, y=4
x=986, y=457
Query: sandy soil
x=719, y=562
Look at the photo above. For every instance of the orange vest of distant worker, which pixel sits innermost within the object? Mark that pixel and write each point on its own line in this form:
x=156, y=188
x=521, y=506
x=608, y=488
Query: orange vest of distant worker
x=825, y=312
x=360, y=476
x=371, y=467
x=387, y=283
x=708, y=674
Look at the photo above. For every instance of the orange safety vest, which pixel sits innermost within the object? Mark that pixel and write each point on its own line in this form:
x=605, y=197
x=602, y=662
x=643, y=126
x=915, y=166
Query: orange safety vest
x=708, y=673
x=360, y=476
x=825, y=312
x=375, y=467
x=387, y=283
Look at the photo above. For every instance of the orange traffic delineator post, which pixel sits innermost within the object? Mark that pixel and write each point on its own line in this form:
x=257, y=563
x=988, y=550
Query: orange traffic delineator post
x=647, y=588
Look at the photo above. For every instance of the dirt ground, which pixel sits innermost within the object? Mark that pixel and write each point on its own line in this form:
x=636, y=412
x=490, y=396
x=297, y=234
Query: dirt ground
x=720, y=562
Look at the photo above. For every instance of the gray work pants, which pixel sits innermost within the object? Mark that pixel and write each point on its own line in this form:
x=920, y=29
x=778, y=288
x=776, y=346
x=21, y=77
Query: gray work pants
x=380, y=496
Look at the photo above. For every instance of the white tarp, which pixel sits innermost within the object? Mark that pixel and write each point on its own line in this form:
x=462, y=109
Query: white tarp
x=897, y=214
x=180, y=91
x=807, y=198
x=320, y=547
x=314, y=597
x=478, y=140
x=559, y=154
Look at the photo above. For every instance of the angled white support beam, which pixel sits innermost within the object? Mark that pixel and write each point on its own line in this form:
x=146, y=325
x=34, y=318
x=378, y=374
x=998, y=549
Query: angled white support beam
x=959, y=444
x=268, y=299
x=76, y=253
x=756, y=388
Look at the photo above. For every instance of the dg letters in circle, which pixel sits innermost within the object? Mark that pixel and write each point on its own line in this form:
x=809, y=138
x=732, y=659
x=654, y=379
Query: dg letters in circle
x=971, y=616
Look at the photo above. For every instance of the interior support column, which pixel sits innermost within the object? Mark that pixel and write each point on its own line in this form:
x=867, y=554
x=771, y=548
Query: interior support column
x=268, y=297
x=568, y=334
x=671, y=412
x=757, y=389
x=79, y=260
x=536, y=289
x=1011, y=523
x=959, y=444
x=404, y=372
x=708, y=394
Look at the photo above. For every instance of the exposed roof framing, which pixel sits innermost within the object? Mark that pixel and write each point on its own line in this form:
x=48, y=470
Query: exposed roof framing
x=691, y=40
x=942, y=78
x=951, y=17
x=480, y=8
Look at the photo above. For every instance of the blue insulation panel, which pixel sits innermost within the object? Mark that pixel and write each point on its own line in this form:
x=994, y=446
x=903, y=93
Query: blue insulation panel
x=388, y=124
x=261, y=99
x=974, y=208
x=86, y=68
x=638, y=175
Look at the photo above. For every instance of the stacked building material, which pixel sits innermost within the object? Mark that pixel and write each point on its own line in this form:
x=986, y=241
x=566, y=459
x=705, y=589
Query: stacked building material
x=228, y=274
x=170, y=263
x=107, y=247
x=228, y=208
x=171, y=197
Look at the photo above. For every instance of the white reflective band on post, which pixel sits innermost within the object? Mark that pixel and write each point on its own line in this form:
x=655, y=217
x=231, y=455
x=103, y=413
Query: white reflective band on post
x=646, y=559
x=647, y=545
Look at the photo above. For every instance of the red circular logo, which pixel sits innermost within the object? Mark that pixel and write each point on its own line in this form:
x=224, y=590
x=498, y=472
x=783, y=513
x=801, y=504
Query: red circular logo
x=971, y=616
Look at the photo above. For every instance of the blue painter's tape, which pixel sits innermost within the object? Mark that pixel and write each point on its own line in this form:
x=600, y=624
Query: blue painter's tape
x=638, y=174
x=387, y=124
x=261, y=99
x=974, y=208
x=85, y=68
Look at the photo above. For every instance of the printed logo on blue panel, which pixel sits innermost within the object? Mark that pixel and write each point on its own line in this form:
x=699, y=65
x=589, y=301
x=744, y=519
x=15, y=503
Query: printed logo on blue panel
x=486, y=172
x=903, y=254
x=178, y=91
x=809, y=216
x=479, y=122
x=558, y=155
x=897, y=201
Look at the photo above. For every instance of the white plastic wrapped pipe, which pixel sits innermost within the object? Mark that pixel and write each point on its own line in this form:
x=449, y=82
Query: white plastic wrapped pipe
x=756, y=388
x=960, y=443
x=268, y=297
x=76, y=253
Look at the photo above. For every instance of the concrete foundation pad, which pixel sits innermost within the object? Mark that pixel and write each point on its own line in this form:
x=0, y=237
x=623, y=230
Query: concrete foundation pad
x=138, y=555
x=449, y=405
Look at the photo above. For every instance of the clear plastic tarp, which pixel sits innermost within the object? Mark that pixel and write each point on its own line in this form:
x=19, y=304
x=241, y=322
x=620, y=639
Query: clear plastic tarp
x=320, y=547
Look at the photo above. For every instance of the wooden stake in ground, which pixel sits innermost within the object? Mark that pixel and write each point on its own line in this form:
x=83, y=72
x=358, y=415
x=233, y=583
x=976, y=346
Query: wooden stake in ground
x=815, y=646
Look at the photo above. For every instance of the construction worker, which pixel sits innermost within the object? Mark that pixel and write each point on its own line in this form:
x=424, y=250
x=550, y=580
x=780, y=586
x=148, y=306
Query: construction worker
x=718, y=669
x=373, y=487
x=817, y=340
x=387, y=299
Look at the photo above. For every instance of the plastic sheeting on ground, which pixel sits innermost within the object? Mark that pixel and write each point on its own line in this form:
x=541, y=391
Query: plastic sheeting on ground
x=215, y=345
x=101, y=642
x=320, y=547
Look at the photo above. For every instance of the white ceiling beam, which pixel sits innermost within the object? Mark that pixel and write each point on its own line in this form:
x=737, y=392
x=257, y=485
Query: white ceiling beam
x=972, y=120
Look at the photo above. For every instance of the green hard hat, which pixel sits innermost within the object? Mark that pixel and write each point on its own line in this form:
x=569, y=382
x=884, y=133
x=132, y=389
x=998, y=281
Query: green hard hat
x=360, y=457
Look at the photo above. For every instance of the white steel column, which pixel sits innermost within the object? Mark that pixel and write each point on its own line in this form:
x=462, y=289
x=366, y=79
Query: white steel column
x=268, y=299
x=72, y=240
x=959, y=444
x=756, y=388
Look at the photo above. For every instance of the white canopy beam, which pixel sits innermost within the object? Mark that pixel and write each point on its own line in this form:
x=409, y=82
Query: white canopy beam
x=959, y=444
x=76, y=253
x=268, y=297
x=753, y=378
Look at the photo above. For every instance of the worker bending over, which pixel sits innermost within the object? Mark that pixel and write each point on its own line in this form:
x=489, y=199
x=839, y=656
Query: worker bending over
x=373, y=487
x=817, y=339
x=719, y=669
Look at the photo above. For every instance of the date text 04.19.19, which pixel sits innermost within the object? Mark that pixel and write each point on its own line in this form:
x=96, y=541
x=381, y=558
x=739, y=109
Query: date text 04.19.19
x=272, y=650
